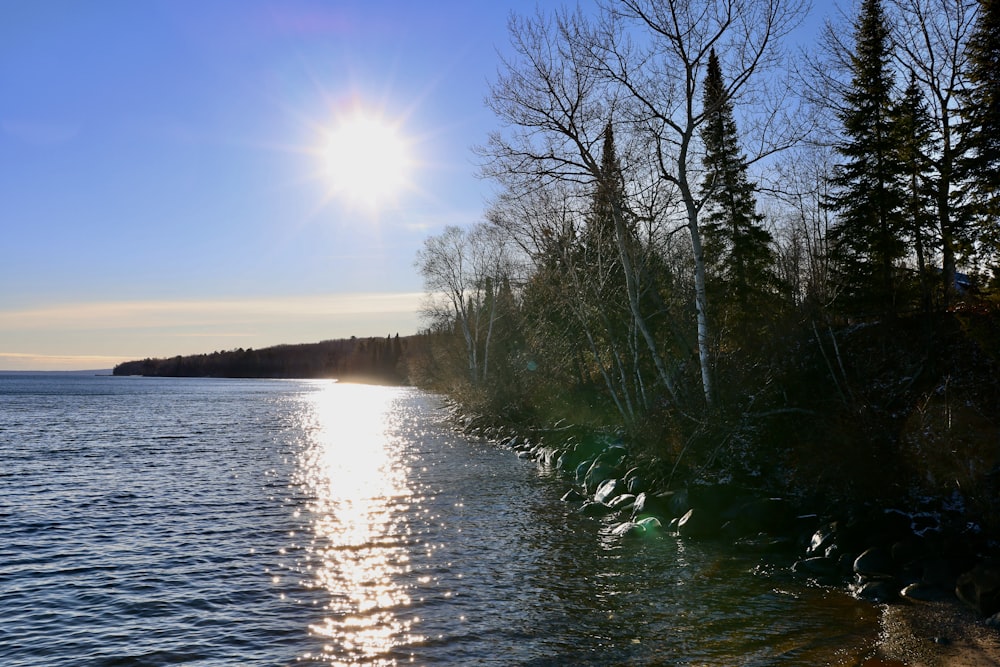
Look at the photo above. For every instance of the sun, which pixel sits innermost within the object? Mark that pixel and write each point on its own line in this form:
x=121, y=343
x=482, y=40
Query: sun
x=367, y=160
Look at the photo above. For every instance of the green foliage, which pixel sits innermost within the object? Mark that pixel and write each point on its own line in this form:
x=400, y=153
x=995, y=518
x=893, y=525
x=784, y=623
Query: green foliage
x=981, y=124
x=742, y=282
x=867, y=241
x=913, y=129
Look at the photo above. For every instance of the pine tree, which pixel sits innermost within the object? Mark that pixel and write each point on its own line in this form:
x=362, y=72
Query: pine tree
x=981, y=120
x=600, y=246
x=913, y=125
x=737, y=246
x=866, y=240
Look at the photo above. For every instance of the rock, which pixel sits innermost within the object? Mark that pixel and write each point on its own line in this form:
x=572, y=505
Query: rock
x=773, y=516
x=924, y=593
x=651, y=524
x=678, y=502
x=628, y=529
x=979, y=588
x=613, y=455
x=698, y=524
x=548, y=455
x=599, y=472
x=648, y=504
x=573, y=496
x=581, y=470
x=823, y=539
x=635, y=482
x=622, y=502
x=877, y=591
x=875, y=563
x=607, y=489
x=592, y=508
x=816, y=566
x=763, y=543
x=938, y=572
x=569, y=459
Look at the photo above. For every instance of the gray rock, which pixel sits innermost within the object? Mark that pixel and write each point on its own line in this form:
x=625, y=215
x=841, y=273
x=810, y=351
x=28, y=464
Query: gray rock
x=622, y=502
x=592, y=508
x=979, y=588
x=823, y=538
x=698, y=524
x=608, y=489
x=658, y=505
x=628, y=529
x=599, y=473
x=875, y=563
x=573, y=496
x=924, y=593
x=877, y=591
x=816, y=566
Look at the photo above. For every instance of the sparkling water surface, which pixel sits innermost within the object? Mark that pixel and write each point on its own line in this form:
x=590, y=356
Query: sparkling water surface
x=154, y=521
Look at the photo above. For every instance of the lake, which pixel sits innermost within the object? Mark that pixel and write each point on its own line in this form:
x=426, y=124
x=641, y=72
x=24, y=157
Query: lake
x=158, y=521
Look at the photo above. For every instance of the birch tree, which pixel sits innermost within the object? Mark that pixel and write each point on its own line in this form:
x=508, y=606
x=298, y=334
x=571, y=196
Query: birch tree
x=555, y=102
x=659, y=73
x=929, y=38
x=463, y=273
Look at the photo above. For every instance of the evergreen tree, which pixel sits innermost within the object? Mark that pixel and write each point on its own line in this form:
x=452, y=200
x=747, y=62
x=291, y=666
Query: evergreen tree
x=866, y=242
x=600, y=260
x=913, y=125
x=981, y=119
x=737, y=246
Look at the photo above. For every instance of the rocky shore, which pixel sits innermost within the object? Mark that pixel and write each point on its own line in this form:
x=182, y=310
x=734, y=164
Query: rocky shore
x=935, y=578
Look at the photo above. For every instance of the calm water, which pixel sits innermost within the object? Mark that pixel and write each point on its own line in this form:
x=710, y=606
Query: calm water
x=234, y=522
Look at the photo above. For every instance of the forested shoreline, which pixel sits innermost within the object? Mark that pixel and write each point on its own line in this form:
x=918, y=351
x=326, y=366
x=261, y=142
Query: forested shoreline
x=753, y=264
x=373, y=360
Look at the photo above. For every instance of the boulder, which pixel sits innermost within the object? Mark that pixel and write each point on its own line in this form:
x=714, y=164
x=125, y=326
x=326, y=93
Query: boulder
x=979, y=588
x=816, y=566
x=648, y=527
x=773, y=516
x=763, y=543
x=621, y=502
x=649, y=504
x=628, y=529
x=875, y=563
x=635, y=482
x=613, y=455
x=608, y=489
x=573, y=496
x=823, y=539
x=698, y=524
x=592, y=508
x=883, y=591
x=597, y=474
x=651, y=524
x=924, y=593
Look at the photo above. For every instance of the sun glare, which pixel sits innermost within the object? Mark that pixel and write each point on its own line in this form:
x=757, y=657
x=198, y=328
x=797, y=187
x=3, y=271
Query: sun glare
x=367, y=160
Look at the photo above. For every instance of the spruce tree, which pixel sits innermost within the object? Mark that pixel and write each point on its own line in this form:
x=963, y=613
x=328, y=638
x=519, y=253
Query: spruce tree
x=912, y=124
x=737, y=246
x=981, y=120
x=866, y=240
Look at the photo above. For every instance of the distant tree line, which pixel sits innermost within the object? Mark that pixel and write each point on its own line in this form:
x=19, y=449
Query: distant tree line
x=381, y=360
x=690, y=221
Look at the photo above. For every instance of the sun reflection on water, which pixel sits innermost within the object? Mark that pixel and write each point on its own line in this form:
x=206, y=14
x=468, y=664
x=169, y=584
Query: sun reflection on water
x=359, y=551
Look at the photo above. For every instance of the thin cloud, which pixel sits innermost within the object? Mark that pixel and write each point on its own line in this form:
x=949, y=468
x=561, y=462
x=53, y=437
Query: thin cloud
x=187, y=313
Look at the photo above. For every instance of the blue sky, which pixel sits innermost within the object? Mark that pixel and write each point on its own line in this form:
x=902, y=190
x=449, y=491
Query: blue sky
x=162, y=181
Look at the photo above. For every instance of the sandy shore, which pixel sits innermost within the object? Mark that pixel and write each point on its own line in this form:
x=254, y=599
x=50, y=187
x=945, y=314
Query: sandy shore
x=934, y=635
